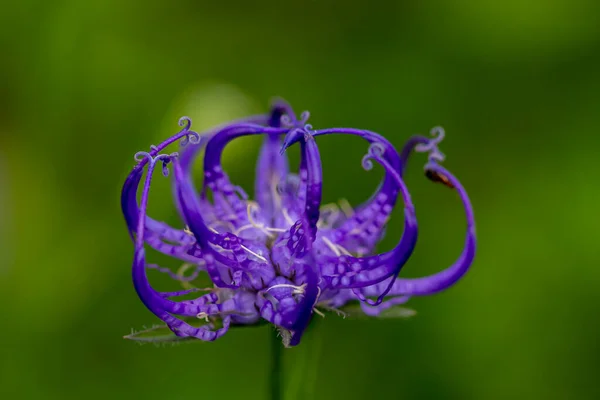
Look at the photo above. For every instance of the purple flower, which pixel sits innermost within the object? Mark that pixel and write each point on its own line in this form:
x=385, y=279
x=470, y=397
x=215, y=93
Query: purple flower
x=283, y=256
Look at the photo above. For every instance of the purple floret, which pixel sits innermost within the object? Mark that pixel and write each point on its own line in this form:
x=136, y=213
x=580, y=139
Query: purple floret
x=282, y=256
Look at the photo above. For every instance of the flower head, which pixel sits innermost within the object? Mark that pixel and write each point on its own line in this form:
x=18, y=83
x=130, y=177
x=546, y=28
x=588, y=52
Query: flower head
x=284, y=255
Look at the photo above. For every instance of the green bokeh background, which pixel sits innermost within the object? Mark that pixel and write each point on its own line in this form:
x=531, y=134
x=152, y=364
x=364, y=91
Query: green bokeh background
x=516, y=84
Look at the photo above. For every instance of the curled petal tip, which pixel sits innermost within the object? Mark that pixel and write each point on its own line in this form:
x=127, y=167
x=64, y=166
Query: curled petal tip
x=376, y=150
x=191, y=137
x=438, y=133
x=286, y=120
x=140, y=155
x=185, y=122
x=166, y=157
x=304, y=116
x=431, y=146
x=366, y=162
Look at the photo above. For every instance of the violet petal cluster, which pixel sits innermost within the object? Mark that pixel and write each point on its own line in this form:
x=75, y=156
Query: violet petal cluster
x=282, y=256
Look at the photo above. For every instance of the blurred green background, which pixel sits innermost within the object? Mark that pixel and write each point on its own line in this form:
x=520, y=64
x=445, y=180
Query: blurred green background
x=86, y=84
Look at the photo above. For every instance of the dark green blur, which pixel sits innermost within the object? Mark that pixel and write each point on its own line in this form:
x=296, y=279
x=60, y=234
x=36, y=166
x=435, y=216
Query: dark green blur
x=516, y=84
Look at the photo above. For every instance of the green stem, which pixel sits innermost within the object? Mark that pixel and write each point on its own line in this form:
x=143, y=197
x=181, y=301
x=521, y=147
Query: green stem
x=302, y=379
x=276, y=366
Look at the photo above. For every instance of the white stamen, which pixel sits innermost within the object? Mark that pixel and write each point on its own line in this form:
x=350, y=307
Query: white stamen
x=227, y=224
x=332, y=246
x=355, y=231
x=297, y=289
x=202, y=315
x=254, y=206
x=340, y=313
x=243, y=228
x=344, y=250
x=329, y=213
x=317, y=299
x=254, y=254
x=346, y=208
x=318, y=312
x=275, y=229
x=181, y=273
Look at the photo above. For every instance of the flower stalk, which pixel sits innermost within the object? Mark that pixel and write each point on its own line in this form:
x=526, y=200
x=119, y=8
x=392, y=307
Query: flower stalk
x=276, y=370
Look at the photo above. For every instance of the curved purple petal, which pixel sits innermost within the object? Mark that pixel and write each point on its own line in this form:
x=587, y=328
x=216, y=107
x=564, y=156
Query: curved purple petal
x=354, y=272
x=272, y=167
x=446, y=278
x=225, y=194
